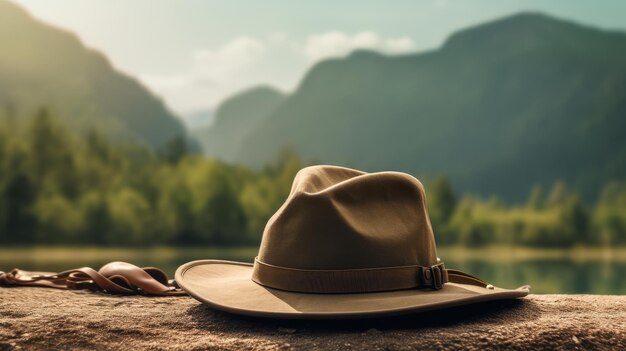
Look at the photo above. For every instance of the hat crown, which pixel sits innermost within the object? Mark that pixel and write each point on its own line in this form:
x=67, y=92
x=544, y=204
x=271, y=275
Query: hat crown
x=338, y=218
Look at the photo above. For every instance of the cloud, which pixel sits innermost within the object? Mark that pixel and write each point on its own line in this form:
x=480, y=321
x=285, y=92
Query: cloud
x=210, y=74
x=227, y=60
x=338, y=44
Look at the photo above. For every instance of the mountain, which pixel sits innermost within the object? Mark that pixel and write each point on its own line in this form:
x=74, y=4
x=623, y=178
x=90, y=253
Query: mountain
x=42, y=66
x=235, y=118
x=523, y=100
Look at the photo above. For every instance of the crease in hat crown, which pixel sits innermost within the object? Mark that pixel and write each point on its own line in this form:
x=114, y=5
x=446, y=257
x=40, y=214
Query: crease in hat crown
x=337, y=218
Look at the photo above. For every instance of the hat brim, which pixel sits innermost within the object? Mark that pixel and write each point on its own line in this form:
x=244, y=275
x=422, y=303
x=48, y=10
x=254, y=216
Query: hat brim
x=226, y=286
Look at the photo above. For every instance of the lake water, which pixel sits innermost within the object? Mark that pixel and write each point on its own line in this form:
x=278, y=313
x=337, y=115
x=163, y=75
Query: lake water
x=577, y=271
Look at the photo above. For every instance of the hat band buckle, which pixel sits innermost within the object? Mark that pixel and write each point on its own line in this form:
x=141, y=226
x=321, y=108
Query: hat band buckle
x=434, y=276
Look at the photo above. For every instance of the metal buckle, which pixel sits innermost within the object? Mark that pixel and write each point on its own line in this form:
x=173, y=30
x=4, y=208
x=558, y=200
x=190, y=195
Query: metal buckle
x=433, y=276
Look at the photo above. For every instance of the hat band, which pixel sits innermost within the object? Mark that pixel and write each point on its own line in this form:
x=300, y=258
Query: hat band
x=349, y=280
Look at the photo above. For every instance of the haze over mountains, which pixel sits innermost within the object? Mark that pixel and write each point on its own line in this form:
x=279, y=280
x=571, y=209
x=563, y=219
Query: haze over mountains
x=235, y=118
x=524, y=100
x=199, y=119
x=45, y=67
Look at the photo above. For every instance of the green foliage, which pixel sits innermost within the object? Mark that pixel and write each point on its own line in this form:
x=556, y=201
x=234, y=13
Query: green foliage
x=536, y=200
x=609, y=217
x=563, y=222
x=174, y=150
x=61, y=187
x=441, y=202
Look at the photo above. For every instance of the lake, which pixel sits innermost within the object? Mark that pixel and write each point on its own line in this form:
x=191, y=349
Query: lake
x=575, y=271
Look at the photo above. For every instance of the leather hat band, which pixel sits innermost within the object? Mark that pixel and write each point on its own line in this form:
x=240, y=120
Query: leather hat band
x=349, y=280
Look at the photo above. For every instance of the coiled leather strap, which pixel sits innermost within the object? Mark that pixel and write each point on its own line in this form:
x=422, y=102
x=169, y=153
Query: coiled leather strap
x=112, y=278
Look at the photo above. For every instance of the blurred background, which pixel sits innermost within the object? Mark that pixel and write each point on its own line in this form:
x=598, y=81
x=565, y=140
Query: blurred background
x=158, y=132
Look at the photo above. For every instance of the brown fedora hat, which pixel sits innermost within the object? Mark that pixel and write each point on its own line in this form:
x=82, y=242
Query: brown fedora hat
x=345, y=244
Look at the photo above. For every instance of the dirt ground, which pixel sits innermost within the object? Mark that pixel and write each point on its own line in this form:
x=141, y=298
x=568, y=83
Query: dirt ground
x=39, y=318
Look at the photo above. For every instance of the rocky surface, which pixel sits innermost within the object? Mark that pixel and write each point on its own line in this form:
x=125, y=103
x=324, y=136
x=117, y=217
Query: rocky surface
x=39, y=318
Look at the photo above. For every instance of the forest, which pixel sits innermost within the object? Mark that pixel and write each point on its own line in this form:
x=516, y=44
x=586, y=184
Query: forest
x=60, y=187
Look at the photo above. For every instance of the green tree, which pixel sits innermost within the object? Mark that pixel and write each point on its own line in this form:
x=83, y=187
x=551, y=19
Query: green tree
x=609, y=216
x=59, y=220
x=174, y=150
x=97, y=218
x=441, y=201
x=575, y=221
x=132, y=221
x=176, y=219
x=18, y=197
x=97, y=145
x=223, y=218
x=50, y=155
x=47, y=143
x=441, y=205
x=536, y=200
x=558, y=194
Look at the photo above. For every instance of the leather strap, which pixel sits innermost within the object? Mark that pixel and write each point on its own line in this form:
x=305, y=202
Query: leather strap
x=349, y=280
x=112, y=278
x=457, y=276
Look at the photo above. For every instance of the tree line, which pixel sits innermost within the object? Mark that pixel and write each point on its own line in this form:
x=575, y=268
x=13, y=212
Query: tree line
x=556, y=218
x=57, y=187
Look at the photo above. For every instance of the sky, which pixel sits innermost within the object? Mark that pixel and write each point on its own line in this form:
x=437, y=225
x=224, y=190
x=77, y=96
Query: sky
x=195, y=53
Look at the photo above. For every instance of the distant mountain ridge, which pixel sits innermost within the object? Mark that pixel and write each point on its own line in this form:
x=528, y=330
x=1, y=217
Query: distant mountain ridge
x=235, y=118
x=199, y=119
x=43, y=66
x=523, y=100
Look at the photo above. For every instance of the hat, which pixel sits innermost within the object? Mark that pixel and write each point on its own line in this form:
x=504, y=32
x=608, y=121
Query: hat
x=345, y=244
